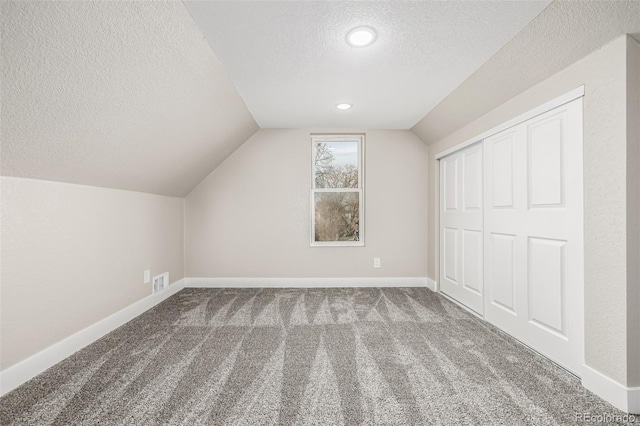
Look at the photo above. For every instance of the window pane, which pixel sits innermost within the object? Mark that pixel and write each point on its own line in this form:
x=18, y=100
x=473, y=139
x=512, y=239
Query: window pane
x=336, y=164
x=337, y=216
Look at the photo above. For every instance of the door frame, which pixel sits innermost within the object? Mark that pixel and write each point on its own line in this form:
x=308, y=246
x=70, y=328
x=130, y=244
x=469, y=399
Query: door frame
x=573, y=95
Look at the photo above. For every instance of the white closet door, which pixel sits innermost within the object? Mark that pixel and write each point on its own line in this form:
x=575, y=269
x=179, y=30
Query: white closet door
x=461, y=227
x=533, y=233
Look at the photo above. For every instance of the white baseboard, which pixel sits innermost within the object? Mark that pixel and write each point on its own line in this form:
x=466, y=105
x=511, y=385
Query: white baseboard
x=620, y=396
x=432, y=284
x=16, y=375
x=307, y=282
x=633, y=396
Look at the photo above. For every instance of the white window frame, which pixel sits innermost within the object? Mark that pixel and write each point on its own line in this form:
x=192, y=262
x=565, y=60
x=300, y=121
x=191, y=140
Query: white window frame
x=359, y=138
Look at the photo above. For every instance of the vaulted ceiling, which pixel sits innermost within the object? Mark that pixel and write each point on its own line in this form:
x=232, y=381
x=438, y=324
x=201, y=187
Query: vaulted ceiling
x=123, y=95
x=563, y=33
x=292, y=64
x=152, y=96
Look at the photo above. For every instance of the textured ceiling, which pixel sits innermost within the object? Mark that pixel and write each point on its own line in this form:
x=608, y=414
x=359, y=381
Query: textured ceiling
x=130, y=95
x=116, y=94
x=563, y=33
x=291, y=64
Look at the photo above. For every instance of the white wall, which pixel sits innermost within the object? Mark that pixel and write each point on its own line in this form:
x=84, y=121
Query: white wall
x=562, y=34
x=73, y=255
x=116, y=94
x=251, y=216
x=603, y=73
x=633, y=210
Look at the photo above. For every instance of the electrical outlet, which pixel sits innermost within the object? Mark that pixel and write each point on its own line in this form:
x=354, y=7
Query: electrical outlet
x=376, y=262
x=147, y=276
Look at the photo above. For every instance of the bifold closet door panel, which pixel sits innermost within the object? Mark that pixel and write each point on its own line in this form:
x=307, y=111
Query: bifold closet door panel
x=503, y=195
x=461, y=240
x=533, y=244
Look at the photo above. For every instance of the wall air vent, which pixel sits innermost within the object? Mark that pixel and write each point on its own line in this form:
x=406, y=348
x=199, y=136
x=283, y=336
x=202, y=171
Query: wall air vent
x=160, y=283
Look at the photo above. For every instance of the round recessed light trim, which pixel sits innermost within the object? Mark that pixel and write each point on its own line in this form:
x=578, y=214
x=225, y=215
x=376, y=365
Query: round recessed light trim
x=361, y=36
x=344, y=106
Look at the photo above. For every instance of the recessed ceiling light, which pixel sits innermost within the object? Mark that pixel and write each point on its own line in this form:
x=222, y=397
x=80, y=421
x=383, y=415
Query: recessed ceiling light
x=361, y=36
x=344, y=106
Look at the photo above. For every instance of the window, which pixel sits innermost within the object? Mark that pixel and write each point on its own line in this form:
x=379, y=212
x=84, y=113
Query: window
x=337, y=194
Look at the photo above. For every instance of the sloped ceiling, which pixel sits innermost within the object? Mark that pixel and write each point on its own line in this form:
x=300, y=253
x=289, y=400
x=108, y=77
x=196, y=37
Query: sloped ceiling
x=563, y=33
x=116, y=94
x=130, y=95
x=291, y=63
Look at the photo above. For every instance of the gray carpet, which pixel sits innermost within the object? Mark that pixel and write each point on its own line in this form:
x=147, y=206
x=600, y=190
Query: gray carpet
x=303, y=356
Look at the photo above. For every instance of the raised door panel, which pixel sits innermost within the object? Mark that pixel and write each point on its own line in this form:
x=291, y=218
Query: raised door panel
x=502, y=170
x=472, y=171
x=472, y=260
x=547, y=284
x=546, y=162
x=503, y=279
x=451, y=254
x=450, y=184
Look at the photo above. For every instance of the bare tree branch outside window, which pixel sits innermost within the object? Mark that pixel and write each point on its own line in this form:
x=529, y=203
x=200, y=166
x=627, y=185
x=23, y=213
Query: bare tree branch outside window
x=336, y=213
